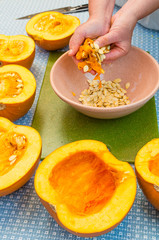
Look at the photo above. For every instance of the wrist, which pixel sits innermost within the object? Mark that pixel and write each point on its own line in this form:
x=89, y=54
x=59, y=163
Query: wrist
x=101, y=10
x=128, y=16
x=140, y=8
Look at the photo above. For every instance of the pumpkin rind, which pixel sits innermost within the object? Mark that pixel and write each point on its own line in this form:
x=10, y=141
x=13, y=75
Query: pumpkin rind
x=17, y=49
x=16, y=106
x=54, y=34
x=22, y=170
x=148, y=181
x=109, y=215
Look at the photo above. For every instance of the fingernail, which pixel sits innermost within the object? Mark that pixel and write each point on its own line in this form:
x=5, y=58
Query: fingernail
x=96, y=45
x=70, y=52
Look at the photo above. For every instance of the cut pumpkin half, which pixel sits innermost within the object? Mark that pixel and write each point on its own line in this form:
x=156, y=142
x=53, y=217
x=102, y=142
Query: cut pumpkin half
x=85, y=188
x=147, y=171
x=52, y=30
x=20, y=151
x=17, y=49
x=17, y=91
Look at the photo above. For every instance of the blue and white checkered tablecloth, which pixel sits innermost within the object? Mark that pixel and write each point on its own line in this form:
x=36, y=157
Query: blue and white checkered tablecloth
x=22, y=216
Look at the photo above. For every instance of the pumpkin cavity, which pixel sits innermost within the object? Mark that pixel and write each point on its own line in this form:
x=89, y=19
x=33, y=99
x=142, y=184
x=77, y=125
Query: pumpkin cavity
x=84, y=183
x=12, y=148
x=154, y=165
x=17, y=49
x=52, y=24
x=11, y=47
x=52, y=30
x=11, y=84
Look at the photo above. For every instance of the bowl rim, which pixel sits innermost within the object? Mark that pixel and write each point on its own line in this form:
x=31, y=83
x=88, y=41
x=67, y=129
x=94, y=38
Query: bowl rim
x=103, y=109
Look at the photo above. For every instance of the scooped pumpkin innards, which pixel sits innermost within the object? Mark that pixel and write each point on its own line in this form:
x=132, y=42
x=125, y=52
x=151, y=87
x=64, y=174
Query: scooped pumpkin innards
x=92, y=56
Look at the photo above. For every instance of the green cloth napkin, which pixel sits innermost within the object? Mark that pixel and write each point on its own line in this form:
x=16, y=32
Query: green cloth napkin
x=59, y=124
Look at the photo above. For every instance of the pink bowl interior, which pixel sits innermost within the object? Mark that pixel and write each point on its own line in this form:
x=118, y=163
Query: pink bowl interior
x=138, y=68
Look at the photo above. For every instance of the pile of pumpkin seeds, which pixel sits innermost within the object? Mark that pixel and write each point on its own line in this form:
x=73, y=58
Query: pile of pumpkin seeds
x=105, y=94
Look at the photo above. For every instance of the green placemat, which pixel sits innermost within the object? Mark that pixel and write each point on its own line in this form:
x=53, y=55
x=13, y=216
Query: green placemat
x=59, y=124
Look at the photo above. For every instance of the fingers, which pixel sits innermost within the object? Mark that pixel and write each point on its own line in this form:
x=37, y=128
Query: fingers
x=119, y=46
x=107, y=39
x=115, y=53
x=76, y=40
x=91, y=29
x=75, y=60
x=119, y=41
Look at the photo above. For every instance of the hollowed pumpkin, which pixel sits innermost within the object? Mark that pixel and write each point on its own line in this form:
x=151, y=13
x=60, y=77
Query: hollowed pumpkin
x=18, y=49
x=85, y=188
x=147, y=171
x=52, y=30
x=20, y=151
x=17, y=91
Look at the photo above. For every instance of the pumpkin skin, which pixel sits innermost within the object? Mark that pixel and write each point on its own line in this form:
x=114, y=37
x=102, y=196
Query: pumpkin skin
x=147, y=171
x=17, y=49
x=52, y=30
x=85, y=188
x=18, y=87
x=20, y=151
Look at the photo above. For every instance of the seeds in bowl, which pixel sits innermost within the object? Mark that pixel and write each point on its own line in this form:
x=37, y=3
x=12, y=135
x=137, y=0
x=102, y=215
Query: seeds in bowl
x=105, y=94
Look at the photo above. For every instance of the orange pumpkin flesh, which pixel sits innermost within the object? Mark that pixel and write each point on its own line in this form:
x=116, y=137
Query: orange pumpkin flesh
x=17, y=91
x=85, y=188
x=20, y=151
x=52, y=30
x=147, y=171
x=18, y=49
x=154, y=165
x=88, y=56
x=88, y=174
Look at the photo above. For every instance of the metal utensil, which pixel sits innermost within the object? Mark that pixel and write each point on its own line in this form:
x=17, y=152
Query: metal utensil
x=65, y=10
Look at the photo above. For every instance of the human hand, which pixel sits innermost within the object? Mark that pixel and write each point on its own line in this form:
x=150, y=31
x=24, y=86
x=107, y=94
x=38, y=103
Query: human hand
x=90, y=29
x=119, y=36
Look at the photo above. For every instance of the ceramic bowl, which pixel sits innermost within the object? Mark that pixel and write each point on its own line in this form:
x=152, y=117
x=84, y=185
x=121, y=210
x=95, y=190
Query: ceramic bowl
x=138, y=68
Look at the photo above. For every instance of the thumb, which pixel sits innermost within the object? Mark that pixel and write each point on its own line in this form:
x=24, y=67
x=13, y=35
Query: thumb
x=76, y=40
x=107, y=39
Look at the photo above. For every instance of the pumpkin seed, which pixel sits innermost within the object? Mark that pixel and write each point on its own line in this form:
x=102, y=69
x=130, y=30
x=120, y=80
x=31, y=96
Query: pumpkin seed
x=19, y=80
x=12, y=157
x=86, y=68
x=110, y=94
x=127, y=85
x=20, y=85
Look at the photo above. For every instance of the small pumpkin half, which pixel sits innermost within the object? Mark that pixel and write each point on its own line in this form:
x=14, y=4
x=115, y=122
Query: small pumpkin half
x=85, y=188
x=17, y=91
x=147, y=171
x=17, y=49
x=20, y=151
x=52, y=30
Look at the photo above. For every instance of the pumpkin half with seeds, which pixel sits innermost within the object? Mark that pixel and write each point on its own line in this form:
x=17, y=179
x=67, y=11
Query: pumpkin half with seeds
x=52, y=30
x=17, y=49
x=20, y=151
x=85, y=188
x=147, y=171
x=17, y=91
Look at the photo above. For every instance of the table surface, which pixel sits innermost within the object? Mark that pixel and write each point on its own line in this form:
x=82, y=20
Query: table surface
x=22, y=216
